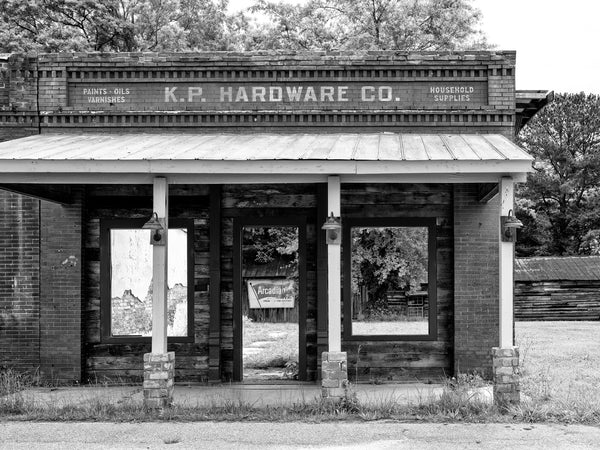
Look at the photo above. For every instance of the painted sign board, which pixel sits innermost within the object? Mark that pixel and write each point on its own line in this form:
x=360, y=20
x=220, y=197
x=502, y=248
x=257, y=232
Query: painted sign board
x=271, y=293
x=277, y=95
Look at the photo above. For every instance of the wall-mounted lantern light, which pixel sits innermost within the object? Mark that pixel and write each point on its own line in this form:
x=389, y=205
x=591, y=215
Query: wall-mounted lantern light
x=508, y=227
x=333, y=226
x=157, y=225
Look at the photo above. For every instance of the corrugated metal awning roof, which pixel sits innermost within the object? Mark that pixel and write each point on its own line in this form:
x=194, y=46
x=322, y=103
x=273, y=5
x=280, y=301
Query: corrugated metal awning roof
x=545, y=268
x=240, y=147
x=262, y=153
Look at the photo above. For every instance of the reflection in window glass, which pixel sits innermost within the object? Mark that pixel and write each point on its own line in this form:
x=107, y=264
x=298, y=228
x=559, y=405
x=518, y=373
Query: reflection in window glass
x=131, y=282
x=389, y=281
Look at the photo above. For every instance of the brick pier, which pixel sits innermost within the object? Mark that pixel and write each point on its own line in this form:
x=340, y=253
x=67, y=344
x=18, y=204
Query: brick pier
x=506, y=376
x=159, y=375
x=334, y=379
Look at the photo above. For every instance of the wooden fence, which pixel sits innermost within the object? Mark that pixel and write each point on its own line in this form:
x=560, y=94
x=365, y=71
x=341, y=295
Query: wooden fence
x=557, y=300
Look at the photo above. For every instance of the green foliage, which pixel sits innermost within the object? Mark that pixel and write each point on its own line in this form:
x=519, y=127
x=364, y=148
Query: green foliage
x=119, y=25
x=265, y=244
x=560, y=203
x=388, y=258
x=12, y=383
x=419, y=25
x=190, y=25
x=65, y=25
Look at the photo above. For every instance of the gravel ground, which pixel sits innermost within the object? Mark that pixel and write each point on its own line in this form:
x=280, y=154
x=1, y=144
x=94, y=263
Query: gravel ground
x=248, y=435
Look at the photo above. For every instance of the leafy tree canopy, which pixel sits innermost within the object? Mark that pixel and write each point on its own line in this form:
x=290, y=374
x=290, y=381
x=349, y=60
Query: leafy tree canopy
x=419, y=25
x=560, y=203
x=119, y=25
x=389, y=258
x=265, y=244
x=188, y=25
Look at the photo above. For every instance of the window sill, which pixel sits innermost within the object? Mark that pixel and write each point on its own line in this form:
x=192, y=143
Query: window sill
x=144, y=340
x=393, y=337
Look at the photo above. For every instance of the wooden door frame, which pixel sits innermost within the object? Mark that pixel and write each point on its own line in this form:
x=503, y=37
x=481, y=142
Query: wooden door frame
x=288, y=221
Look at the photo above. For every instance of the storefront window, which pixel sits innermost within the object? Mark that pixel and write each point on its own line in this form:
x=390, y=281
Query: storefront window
x=127, y=282
x=390, y=279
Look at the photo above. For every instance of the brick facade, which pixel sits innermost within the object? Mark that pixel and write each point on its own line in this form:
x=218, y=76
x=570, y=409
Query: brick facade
x=19, y=282
x=60, y=291
x=133, y=87
x=40, y=287
x=18, y=97
x=49, y=286
x=476, y=291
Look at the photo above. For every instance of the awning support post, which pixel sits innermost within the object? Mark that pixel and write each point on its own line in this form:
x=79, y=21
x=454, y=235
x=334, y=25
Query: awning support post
x=334, y=372
x=505, y=358
x=507, y=250
x=159, y=366
x=334, y=270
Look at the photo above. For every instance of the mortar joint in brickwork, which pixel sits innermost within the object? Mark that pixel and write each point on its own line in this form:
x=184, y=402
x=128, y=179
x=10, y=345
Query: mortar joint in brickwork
x=159, y=375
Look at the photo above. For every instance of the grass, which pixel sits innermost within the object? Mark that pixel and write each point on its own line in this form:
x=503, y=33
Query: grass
x=454, y=406
x=268, y=347
x=559, y=367
x=560, y=383
x=374, y=327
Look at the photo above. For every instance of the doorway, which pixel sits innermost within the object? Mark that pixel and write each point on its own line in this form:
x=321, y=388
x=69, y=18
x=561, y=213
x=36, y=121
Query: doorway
x=269, y=330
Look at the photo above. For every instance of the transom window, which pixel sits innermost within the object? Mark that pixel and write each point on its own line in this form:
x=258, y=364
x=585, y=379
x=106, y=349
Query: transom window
x=126, y=281
x=389, y=279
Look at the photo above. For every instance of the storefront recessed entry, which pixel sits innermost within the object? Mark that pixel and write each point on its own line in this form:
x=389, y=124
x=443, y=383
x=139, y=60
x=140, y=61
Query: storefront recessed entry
x=272, y=302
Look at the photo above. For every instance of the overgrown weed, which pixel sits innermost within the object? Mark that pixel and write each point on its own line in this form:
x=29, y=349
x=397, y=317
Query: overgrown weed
x=12, y=384
x=463, y=398
x=558, y=385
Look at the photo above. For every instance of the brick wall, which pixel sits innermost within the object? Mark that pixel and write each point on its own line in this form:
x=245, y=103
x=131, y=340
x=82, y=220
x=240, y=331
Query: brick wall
x=130, y=92
x=18, y=97
x=40, y=287
x=476, y=294
x=212, y=91
x=60, y=291
x=4, y=81
x=59, y=75
x=19, y=282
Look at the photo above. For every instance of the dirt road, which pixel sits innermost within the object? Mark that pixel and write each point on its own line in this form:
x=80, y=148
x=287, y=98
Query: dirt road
x=246, y=435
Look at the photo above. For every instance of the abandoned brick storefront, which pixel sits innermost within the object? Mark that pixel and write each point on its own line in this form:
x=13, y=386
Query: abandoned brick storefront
x=219, y=145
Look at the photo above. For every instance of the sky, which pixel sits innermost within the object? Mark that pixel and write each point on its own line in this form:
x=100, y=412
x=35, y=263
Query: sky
x=557, y=41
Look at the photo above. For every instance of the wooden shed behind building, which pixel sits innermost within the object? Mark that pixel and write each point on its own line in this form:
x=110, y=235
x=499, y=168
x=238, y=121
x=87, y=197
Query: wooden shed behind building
x=557, y=288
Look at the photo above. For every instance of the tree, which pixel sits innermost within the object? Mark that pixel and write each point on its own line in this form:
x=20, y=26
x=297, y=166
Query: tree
x=210, y=27
x=187, y=25
x=389, y=258
x=158, y=27
x=263, y=245
x=419, y=25
x=119, y=25
x=560, y=203
x=65, y=25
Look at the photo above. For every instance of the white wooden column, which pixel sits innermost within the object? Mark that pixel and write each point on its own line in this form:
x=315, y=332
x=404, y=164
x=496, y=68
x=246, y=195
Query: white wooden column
x=159, y=269
x=334, y=271
x=507, y=251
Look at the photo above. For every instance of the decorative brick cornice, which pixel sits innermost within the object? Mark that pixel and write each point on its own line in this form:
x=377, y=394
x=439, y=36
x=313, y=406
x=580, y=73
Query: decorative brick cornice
x=191, y=119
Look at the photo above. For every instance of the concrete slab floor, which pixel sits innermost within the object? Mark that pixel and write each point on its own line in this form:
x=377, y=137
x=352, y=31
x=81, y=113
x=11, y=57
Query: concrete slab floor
x=258, y=395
